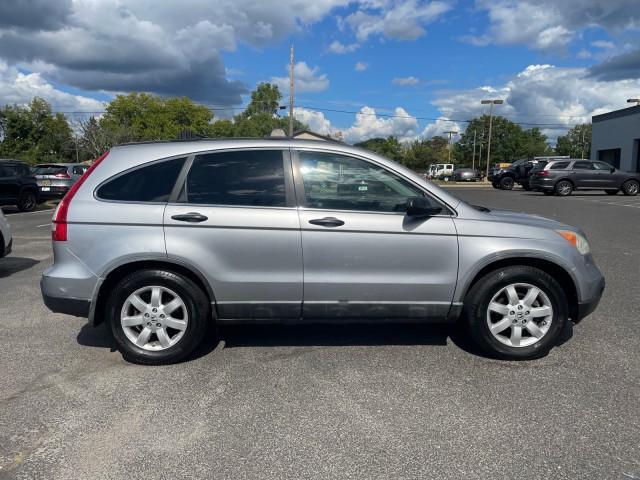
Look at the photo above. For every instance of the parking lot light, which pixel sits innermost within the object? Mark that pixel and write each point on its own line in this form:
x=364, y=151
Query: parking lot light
x=491, y=103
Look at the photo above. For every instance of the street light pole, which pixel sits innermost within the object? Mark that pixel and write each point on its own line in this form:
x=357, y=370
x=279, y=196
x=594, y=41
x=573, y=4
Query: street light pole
x=450, y=132
x=473, y=156
x=291, y=90
x=491, y=103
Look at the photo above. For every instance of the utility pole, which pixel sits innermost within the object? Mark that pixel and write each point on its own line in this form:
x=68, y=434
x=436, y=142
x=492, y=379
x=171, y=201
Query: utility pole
x=291, y=88
x=491, y=103
x=473, y=157
x=450, y=132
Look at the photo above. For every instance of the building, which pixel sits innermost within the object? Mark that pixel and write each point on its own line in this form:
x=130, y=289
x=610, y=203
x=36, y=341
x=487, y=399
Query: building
x=309, y=135
x=616, y=138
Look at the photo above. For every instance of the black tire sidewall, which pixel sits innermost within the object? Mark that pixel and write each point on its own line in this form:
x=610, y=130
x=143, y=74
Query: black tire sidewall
x=195, y=300
x=478, y=299
x=22, y=200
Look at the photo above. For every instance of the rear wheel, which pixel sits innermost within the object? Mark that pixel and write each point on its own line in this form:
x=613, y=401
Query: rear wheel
x=516, y=313
x=611, y=192
x=157, y=317
x=27, y=201
x=631, y=187
x=564, y=188
x=506, y=183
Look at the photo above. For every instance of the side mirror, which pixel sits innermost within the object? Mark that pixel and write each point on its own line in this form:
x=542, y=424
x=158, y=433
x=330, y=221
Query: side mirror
x=421, y=207
x=612, y=169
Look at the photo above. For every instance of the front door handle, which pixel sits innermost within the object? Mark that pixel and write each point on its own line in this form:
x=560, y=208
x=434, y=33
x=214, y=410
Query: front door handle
x=191, y=217
x=327, y=222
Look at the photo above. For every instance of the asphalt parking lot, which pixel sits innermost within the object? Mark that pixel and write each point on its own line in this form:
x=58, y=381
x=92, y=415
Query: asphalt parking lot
x=327, y=401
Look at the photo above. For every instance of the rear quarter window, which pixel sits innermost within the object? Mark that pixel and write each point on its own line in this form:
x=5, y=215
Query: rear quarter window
x=151, y=183
x=559, y=166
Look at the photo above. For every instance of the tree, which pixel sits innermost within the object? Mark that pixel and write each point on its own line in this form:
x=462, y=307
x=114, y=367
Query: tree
x=140, y=116
x=387, y=147
x=576, y=143
x=264, y=99
x=34, y=134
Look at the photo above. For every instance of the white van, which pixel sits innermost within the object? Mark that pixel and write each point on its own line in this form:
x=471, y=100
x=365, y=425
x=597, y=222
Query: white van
x=443, y=171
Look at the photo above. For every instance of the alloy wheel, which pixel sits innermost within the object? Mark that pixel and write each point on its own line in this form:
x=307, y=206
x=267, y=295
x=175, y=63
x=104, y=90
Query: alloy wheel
x=154, y=318
x=519, y=315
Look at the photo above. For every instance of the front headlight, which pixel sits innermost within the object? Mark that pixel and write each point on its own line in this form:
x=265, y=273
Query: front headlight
x=576, y=240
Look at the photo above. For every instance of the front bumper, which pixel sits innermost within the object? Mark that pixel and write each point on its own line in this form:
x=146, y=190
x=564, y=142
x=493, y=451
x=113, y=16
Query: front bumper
x=587, y=307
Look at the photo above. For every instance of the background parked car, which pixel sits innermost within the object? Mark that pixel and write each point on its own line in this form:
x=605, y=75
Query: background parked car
x=518, y=172
x=564, y=176
x=5, y=236
x=466, y=175
x=17, y=185
x=55, y=179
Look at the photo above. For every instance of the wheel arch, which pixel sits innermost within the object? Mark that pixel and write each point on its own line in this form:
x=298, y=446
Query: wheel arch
x=557, y=271
x=118, y=272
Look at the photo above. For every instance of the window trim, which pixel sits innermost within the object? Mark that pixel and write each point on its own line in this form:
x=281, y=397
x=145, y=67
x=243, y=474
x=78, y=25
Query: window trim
x=448, y=210
x=138, y=167
x=290, y=198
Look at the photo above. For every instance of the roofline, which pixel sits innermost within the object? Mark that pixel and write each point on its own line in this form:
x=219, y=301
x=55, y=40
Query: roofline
x=624, y=112
x=227, y=139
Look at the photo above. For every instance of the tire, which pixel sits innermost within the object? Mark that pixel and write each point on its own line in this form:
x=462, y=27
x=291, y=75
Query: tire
x=563, y=188
x=631, y=187
x=27, y=201
x=477, y=316
x=506, y=183
x=612, y=192
x=495, y=185
x=192, y=317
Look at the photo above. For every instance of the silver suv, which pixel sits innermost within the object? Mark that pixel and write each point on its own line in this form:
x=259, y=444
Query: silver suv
x=161, y=240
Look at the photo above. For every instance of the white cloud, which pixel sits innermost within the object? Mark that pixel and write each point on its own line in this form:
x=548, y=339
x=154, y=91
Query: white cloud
x=400, y=20
x=361, y=66
x=604, y=44
x=542, y=94
x=405, y=81
x=340, y=48
x=20, y=88
x=316, y=121
x=552, y=24
x=369, y=125
x=306, y=79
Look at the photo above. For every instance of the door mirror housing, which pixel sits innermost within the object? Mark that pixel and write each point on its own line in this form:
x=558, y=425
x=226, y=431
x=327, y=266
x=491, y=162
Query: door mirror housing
x=422, y=207
x=612, y=169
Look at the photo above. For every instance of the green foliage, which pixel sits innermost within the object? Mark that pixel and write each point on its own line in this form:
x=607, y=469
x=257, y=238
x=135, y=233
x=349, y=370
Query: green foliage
x=416, y=155
x=576, y=143
x=264, y=99
x=34, y=134
x=509, y=141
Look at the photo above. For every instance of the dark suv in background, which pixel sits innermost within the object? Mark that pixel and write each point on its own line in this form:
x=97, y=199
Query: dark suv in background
x=17, y=185
x=564, y=176
x=518, y=172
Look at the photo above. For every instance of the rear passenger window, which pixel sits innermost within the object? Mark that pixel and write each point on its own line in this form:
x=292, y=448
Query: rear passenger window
x=152, y=183
x=559, y=166
x=582, y=166
x=253, y=178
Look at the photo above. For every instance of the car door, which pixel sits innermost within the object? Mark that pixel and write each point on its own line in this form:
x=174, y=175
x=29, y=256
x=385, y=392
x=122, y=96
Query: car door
x=363, y=256
x=582, y=174
x=8, y=182
x=605, y=177
x=235, y=220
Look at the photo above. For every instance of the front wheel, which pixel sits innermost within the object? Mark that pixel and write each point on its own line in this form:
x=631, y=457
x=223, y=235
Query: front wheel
x=157, y=317
x=516, y=313
x=631, y=187
x=506, y=183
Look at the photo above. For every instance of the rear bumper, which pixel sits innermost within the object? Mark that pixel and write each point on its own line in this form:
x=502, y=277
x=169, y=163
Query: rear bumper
x=539, y=184
x=53, y=192
x=69, y=306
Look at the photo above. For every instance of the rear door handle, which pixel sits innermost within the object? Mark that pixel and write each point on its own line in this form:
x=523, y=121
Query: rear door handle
x=327, y=222
x=191, y=217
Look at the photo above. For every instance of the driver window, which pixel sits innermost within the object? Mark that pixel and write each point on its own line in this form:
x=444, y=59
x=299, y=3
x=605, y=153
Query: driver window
x=337, y=182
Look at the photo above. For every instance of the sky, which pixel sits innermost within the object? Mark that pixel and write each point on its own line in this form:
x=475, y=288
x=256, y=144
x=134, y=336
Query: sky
x=366, y=68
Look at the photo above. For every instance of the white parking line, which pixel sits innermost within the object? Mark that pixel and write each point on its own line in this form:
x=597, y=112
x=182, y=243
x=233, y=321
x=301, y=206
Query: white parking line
x=43, y=225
